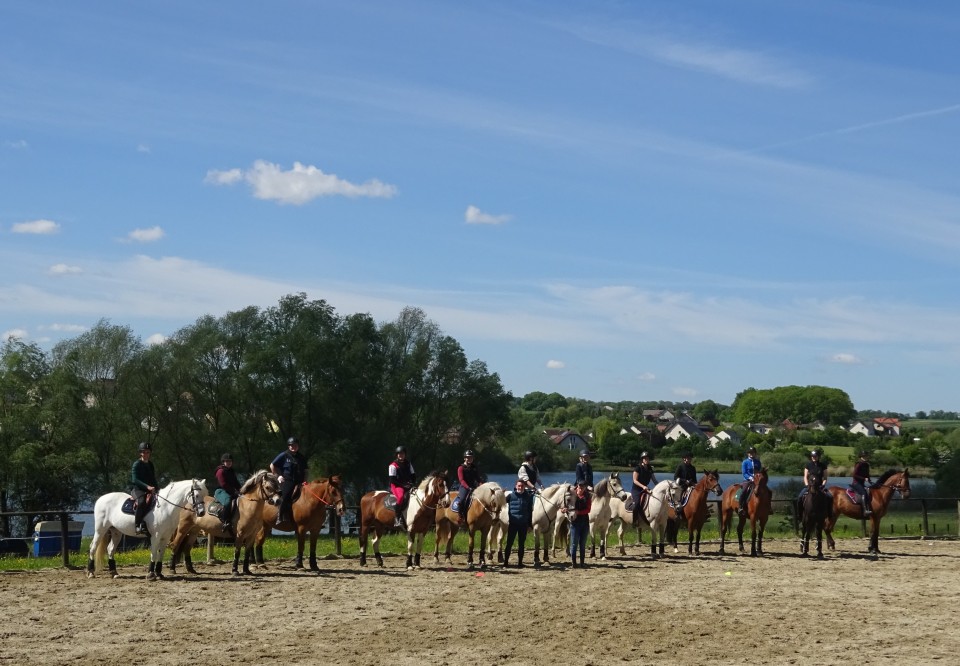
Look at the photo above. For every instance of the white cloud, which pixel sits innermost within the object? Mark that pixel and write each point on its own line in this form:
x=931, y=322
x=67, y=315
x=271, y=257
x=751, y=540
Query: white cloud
x=36, y=227
x=19, y=144
x=13, y=333
x=646, y=377
x=475, y=216
x=66, y=328
x=299, y=185
x=556, y=365
x=143, y=148
x=846, y=359
x=685, y=392
x=156, y=339
x=146, y=235
x=64, y=269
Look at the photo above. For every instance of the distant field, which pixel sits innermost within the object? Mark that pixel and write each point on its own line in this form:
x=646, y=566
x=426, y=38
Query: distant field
x=925, y=424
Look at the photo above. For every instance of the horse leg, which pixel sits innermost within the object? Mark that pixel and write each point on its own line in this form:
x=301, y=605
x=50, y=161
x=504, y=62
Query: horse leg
x=301, y=538
x=417, y=549
x=362, y=538
x=483, y=549
x=112, y=544
x=819, y=541
x=874, y=535
x=410, y=544
x=470, y=548
x=236, y=559
x=740, y=525
x=763, y=526
x=313, y=551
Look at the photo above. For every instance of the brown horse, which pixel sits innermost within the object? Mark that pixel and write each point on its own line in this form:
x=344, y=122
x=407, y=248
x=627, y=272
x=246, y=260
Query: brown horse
x=759, y=507
x=813, y=509
x=486, y=504
x=881, y=493
x=310, y=511
x=261, y=489
x=192, y=526
x=420, y=513
x=695, y=512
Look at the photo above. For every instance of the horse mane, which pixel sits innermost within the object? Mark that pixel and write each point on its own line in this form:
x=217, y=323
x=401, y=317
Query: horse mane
x=333, y=479
x=883, y=477
x=491, y=489
x=253, y=481
x=602, y=489
x=435, y=474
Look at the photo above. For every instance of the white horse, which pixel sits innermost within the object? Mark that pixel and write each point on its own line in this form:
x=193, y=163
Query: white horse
x=546, y=508
x=601, y=515
x=654, y=515
x=110, y=523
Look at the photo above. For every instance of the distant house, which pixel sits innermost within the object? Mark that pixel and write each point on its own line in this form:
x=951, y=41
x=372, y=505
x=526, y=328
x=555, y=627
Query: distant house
x=787, y=424
x=864, y=428
x=724, y=435
x=814, y=425
x=684, y=426
x=570, y=440
x=658, y=415
x=760, y=428
x=886, y=426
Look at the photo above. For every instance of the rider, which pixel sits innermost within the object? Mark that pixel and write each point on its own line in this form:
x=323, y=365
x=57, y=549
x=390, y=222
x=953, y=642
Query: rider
x=520, y=515
x=584, y=470
x=291, y=469
x=143, y=477
x=686, y=473
x=861, y=477
x=528, y=472
x=469, y=476
x=751, y=465
x=643, y=476
x=401, y=476
x=229, y=490
x=579, y=522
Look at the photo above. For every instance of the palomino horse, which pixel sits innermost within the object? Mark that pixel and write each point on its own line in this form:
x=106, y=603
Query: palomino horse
x=695, y=511
x=656, y=513
x=814, y=508
x=310, y=512
x=192, y=526
x=259, y=490
x=601, y=514
x=419, y=514
x=546, y=507
x=759, y=507
x=110, y=523
x=487, y=501
x=881, y=493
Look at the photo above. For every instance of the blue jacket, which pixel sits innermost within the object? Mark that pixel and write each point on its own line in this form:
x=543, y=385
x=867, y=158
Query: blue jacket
x=749, y=468
x=520, y=507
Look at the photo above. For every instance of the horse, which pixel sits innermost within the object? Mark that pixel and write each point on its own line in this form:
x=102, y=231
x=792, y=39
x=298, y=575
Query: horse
x=881, y=493
x=694, y=512
x=420, y=512
x=759, y=507
x=546, y=508
x=247, y=522
x=654, y=515
x=814, y=507
x=601, y=515
x=486, y=503
x=110, y=523
x=191, y=526
x=310, y=512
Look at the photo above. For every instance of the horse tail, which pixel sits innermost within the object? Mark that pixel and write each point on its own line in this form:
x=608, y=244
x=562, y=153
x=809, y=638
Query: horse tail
x=100, y=554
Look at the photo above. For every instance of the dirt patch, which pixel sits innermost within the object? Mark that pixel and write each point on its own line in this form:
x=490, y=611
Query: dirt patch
x=778, y=609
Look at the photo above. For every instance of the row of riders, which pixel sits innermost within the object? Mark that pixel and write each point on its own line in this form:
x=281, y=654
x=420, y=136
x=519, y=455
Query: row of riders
x=513, y=512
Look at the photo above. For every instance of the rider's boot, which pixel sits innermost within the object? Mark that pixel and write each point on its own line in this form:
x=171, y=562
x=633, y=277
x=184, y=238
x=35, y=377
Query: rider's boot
x=866, y=508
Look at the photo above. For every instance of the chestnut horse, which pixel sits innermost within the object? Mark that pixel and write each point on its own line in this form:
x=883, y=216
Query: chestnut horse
x=310, y=512
x=881, y=493
x=694, y=512
x=261, y=489
x=813, y=507
x=420, y=512
x=192, y=526
x=486, y=503
x=759, y=507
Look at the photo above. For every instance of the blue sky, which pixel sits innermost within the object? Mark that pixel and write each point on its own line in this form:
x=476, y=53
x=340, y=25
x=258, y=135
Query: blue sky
x=611, y=200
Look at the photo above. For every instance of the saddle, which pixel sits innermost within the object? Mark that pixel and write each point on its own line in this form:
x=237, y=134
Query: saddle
x=130, y=504
x=853, y=495
x=214, y=508
x=629, y=504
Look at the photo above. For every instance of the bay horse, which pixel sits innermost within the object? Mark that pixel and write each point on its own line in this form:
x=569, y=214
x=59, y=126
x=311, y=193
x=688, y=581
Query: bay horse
x=487, y=502
x=814, y=509
x=191, y=526
x=695, y=511
x=601, y=514
x=420, y=513
x=759, y=507
x=881, y=492
x=259, y=490
x=111, y=523
x=310, y=511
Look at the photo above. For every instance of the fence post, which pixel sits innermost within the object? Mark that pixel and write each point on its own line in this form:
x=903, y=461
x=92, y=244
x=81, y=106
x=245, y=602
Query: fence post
x=926, y=525
x=336, y=533
x=64, y=544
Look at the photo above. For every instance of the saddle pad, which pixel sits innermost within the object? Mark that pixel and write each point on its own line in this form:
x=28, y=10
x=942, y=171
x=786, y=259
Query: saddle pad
x=214, y=508
x=390, y=502
x=130, y=504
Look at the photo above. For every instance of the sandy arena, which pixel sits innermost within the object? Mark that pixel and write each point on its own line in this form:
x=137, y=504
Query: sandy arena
x=778, y=609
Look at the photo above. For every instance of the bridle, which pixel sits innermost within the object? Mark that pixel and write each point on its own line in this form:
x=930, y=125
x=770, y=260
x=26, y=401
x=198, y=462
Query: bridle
x=338, y=504
x=441, y=496
x=899, y=486
x=196, y=501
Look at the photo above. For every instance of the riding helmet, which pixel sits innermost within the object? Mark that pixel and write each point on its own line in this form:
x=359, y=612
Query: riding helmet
x=752, y=449
x=292, y=441
x=815, y=452
x=686, y=454
x=401, y=449
x=584, y=452
x=144, y=446
x=644, y=455
x=468, y=453
x=864, y=454
x=225, y=457
x=529, y=455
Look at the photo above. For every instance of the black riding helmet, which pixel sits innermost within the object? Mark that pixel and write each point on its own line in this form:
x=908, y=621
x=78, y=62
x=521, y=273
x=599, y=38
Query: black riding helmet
x=293, y=440
x=529, y=455
x=401, y=449
x=468, y=453
x=225, y=457
x=144, y=446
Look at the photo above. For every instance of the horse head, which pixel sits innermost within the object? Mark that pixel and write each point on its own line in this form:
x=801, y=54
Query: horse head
x=711, y=481
x=198, y=490
x=615, y=485
x=335, y=494
x=674, y=493
x=270, y=488
x=434, y=489
x=897, y=481
x=761, y=478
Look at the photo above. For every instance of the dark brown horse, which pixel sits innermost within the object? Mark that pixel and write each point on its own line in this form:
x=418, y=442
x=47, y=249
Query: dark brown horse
x=813, y=508
x=310, y=512
x=881, y=493
x=758, y=507
x=695, y=511
x=486, y=504
x=420, y=513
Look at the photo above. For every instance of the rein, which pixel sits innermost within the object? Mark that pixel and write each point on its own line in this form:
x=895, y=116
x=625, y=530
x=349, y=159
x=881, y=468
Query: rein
x=320, y=499
x=193, y=498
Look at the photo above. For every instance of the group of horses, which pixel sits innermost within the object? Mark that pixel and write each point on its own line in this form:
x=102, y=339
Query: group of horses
x=182, y=513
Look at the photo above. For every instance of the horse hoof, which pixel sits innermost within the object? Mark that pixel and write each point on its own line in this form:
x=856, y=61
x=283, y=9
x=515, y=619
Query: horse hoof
x=151, y=576
x=89, y=574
